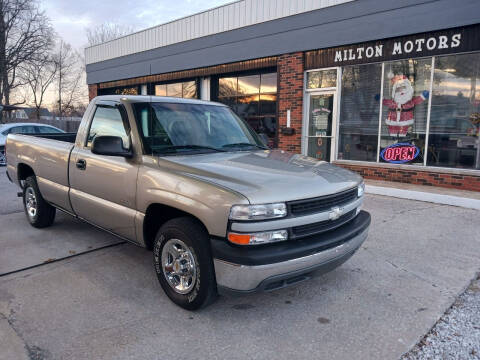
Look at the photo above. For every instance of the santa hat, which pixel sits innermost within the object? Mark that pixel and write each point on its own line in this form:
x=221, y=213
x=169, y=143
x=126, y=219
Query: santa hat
x=398, y=79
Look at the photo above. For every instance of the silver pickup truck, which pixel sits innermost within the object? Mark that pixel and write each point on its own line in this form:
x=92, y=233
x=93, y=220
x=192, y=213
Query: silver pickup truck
x=194, y=183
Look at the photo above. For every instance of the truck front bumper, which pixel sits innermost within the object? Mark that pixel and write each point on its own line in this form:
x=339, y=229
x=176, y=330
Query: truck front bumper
x=247, y=270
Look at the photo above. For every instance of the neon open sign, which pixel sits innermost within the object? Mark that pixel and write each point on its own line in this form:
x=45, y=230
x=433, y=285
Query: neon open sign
x=400, y=153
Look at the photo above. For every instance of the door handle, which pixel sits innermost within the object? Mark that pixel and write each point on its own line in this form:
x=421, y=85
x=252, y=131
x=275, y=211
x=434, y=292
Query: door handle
x=81, y=164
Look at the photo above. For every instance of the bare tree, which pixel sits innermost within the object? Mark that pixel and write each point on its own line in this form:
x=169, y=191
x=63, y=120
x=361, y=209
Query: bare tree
x=106, y=32
x=70, y=70
x=25, y=34
x=38, y=75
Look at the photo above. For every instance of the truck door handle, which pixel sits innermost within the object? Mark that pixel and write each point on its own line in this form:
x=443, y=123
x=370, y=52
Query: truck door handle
x=81, y=164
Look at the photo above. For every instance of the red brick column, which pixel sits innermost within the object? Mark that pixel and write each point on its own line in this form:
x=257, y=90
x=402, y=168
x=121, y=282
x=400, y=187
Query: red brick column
x=290, y=97
x=92, y=91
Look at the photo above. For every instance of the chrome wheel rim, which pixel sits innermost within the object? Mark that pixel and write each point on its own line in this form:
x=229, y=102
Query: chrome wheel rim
x=31, y=202
x=179, y=267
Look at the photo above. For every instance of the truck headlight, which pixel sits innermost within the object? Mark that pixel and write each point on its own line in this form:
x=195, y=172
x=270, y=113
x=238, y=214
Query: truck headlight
x=258, y=212
x=258, y=238
x=361, y=189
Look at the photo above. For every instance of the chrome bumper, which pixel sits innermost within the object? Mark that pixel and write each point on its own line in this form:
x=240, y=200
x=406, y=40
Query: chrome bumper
x=244, y=279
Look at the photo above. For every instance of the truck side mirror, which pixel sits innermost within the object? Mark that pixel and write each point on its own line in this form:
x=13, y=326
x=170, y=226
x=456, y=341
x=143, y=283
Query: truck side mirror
x=110, y=146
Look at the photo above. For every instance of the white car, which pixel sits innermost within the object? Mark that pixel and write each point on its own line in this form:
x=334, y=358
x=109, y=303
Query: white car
x=23, y=128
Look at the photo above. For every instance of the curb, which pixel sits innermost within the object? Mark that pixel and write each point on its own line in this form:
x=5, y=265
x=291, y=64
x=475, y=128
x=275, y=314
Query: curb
x=424, y=196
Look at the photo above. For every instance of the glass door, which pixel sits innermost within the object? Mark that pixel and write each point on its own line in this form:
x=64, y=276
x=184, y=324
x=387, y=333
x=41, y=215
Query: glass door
x=320, y=131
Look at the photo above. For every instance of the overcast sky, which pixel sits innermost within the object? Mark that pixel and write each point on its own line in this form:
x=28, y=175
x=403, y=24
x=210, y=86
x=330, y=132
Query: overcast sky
x=71, y=17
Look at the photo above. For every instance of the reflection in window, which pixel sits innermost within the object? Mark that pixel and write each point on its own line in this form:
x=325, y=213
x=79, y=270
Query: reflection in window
x=161, y=90
x=127, y=91
x=322, y=79
x=130, y=90
x=227, y=87
x=107, y=122
x=174, y=90
x=359, y=112
x=269, y=84
x=455, y=113
x=254, y=98
x=248, y=85
x=187, y=90
x=405, y=104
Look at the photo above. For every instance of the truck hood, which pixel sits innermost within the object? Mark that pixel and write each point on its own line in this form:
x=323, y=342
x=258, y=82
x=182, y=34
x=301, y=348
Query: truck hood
x=266, y=176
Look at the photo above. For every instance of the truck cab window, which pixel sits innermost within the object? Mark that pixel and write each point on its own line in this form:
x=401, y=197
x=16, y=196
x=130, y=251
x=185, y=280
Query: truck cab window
x=107, y=121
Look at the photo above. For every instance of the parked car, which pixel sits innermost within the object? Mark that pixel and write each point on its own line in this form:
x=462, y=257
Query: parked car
x=22, y=128
x=193, y=182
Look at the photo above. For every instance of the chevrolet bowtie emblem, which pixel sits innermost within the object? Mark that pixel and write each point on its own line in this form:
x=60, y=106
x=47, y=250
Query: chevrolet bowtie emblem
x=335, y=213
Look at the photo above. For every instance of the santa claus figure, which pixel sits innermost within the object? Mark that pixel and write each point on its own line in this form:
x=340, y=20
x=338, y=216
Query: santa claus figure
x=400, y=106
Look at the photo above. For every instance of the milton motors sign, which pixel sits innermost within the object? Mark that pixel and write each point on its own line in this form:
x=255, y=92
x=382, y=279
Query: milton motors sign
x=426, y=44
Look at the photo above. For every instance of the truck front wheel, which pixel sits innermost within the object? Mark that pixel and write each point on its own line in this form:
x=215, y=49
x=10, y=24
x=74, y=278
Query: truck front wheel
x=40, y=214
x=183, y=263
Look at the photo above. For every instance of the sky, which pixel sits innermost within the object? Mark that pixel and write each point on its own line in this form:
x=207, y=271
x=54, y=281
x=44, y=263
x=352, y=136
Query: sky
x=70, y=18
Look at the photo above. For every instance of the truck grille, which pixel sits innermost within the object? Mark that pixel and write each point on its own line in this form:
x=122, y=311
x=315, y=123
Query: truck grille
x=322, y=226
x=319, y=204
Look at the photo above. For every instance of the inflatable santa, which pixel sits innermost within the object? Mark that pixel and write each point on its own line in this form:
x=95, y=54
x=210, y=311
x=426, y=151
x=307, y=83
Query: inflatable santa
x=400, y=106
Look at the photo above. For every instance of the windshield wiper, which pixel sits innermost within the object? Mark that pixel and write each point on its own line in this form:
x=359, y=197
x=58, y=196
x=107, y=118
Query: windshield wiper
x=190, y=147
x=244, y=145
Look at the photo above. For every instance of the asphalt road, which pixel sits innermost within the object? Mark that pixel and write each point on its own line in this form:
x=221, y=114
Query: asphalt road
x=108, y=304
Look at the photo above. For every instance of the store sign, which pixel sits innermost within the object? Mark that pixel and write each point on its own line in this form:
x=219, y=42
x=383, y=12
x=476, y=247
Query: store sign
x=426, y=44
x=400, y=153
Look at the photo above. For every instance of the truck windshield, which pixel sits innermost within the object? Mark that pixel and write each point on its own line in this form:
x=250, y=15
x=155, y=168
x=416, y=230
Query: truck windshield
x=180, y=128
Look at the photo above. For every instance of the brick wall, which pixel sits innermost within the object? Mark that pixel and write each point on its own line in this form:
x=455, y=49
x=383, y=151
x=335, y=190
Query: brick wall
x=414, y=176
x=290, y=69
x=92, y=91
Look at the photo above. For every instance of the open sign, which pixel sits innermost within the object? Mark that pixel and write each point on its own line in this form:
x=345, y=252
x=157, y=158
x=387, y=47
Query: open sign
x=400, y=153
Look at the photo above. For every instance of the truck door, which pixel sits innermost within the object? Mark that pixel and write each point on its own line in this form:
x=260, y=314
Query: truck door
x=103, y=188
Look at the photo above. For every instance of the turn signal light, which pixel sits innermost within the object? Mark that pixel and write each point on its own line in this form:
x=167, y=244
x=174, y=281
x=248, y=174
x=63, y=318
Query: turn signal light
x=241, y=239
x=258, y=238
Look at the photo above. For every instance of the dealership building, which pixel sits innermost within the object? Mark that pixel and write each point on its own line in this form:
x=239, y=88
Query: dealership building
x=390, y=89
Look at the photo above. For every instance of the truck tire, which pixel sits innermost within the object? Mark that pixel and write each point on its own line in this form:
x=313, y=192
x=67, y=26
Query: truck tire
x=40, y=214
x=183, y=263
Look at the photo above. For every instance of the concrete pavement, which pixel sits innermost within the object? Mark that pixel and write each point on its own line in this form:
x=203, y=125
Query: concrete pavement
x=108, y=303
x=22, y=246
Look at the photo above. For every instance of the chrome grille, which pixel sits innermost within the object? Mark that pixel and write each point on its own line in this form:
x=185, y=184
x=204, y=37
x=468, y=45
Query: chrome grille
x=323, y=203
x=322, y=226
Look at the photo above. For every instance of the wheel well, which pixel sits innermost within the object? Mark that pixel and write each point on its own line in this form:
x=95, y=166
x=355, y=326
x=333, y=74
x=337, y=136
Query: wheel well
x=157, y=215
x=24, y=171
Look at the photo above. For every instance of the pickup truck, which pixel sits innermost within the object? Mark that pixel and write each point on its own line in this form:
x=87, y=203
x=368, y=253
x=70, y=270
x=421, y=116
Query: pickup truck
x=193, y=182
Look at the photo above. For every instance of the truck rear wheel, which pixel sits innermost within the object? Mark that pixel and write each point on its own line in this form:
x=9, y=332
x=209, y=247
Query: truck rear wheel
x=40, y=214
x=183, y=262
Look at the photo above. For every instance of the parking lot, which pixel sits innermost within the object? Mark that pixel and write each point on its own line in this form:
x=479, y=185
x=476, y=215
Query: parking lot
x=93, y=296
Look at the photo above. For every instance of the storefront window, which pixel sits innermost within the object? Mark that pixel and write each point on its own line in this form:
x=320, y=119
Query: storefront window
x=160, y=90
x=454, y=126
x=254, y=98
x=186, y=90
x=130, y=90
x=322, y=79
x=405, y=104
x=455, y=113
x=190, y=90
x=174, y=90
x=359, y=112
